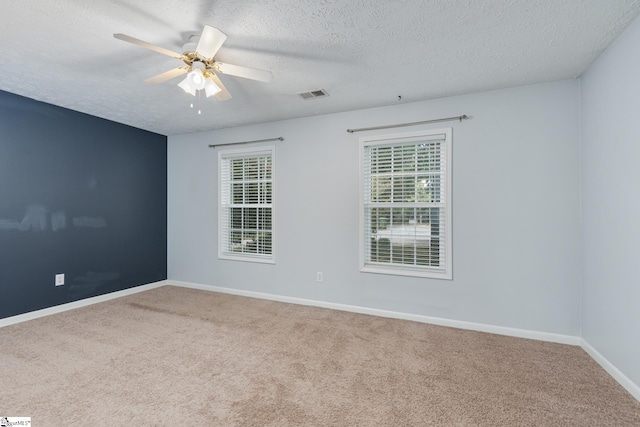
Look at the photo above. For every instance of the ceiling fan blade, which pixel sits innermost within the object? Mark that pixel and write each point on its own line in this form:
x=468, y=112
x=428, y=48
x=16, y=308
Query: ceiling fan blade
x=224, y=94
x=245, y=72
x=167, y=75
x=210, y=41
x=149, y=46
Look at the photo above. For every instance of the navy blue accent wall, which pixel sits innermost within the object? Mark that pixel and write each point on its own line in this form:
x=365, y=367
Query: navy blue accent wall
x=79, y=195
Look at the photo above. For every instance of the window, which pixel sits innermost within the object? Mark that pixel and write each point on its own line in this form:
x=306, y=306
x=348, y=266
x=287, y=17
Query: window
x=405, y=218
x=246, y=205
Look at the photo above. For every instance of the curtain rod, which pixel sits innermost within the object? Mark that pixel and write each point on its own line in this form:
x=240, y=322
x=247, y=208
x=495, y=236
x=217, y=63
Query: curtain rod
x=247, y=142
x=462, y=117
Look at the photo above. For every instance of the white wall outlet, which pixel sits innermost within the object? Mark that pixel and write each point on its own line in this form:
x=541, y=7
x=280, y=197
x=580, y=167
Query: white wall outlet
x=59, y=279
x=319, y=276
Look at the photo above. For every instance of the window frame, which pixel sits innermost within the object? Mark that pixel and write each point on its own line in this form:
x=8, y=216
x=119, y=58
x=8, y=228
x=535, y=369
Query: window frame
x=444, y=271
x=223, y=252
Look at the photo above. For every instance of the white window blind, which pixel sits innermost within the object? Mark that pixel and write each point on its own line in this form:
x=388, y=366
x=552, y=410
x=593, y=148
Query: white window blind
x=246, y=205
x=406, y=204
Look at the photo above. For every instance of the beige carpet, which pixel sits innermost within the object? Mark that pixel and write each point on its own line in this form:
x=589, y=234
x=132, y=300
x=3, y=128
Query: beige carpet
x=182, y=357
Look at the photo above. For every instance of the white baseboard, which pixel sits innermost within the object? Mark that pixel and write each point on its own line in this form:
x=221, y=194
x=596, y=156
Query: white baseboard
x=617, y=375
x=500, y=330
x=77, y=304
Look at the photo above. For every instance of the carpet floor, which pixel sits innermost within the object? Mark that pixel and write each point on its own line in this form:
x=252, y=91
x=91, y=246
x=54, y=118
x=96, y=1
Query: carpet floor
x=184, y=357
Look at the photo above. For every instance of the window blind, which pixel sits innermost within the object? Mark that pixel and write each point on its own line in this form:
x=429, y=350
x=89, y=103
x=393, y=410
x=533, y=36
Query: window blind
x=405, y=208
x=246, y=205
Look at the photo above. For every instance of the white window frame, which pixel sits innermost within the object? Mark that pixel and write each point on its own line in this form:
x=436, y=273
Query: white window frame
x=223, y=250
x=445, y=270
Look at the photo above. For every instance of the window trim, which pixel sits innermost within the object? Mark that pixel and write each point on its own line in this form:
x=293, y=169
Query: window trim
x=399, y=269
x=248, y=152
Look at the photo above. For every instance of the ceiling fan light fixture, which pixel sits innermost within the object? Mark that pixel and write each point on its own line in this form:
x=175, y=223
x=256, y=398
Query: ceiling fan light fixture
x=187, y=87
x=211, y=88
x=199, y=57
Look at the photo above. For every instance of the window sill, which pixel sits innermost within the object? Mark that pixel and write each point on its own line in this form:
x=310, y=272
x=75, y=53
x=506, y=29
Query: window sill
x=246, y=258
x=398, y=271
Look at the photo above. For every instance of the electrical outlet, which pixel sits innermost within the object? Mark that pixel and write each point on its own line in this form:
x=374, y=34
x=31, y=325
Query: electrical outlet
x=59, y=279
x=319, y=276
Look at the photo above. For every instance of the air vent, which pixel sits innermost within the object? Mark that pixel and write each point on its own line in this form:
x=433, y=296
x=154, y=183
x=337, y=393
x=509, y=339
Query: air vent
x=314, y=94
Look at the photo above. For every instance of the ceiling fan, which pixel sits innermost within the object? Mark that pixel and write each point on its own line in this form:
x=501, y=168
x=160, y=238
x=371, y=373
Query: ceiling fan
x=201, y=66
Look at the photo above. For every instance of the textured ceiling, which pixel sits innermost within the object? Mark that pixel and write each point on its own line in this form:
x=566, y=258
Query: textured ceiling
x=364, y=53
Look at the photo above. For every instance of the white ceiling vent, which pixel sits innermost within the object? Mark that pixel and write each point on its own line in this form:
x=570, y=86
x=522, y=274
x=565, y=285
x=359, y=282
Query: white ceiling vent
x=314, y=94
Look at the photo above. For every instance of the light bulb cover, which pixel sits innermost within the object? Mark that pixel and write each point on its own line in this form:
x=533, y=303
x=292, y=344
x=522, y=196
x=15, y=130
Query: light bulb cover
x=196, y=75
x=211, y=88
x=186, y=86
x=195, y=79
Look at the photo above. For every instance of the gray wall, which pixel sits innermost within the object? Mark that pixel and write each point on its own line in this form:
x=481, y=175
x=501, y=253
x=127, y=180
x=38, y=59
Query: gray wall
x=611, y=203
x=515, y=211
x=79, y=195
